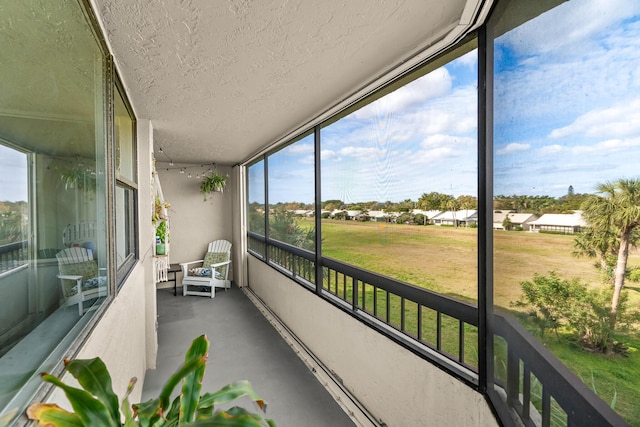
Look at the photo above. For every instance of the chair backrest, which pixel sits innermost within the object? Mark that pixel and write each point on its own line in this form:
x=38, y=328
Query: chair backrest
x=74, y=255
x=220, y=246
x=81, y=232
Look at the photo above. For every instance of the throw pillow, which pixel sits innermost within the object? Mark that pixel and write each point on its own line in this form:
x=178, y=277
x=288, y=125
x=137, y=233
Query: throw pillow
x=216, y=257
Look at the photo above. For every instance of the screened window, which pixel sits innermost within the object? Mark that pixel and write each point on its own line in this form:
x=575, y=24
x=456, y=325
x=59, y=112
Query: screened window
x=52, y=190
x=291, y=194
x=566, y=149
x=399, y=180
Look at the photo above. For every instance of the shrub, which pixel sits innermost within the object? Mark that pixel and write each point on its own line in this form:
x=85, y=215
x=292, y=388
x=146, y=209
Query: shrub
x=554, y=302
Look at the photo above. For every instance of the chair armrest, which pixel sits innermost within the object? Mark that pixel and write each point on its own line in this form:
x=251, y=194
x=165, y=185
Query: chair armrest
x=69, y=277
x=219, y=264
x=185, y=265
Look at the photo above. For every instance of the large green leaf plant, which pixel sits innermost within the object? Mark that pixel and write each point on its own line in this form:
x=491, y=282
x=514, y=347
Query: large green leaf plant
x=95, y=404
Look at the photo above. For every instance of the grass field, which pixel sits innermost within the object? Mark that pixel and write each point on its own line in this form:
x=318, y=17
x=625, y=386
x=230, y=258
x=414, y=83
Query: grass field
x=444, y=259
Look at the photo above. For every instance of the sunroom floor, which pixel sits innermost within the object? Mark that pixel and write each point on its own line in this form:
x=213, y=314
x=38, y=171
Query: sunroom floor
x=244, y=346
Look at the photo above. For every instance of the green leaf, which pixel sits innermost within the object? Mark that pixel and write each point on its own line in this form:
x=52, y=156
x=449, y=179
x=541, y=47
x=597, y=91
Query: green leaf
x=91, y=411
x=174, y=411
x=231, y=392
x=126, y=410
x=52, y=415
x=94, y=377
x=223, y=419
x=192, y=383
x=147, y=412
x=173, y=381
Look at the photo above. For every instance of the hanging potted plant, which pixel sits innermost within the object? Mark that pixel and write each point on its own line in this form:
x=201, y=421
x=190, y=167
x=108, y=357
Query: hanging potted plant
x=79, y=177
x=211, y=183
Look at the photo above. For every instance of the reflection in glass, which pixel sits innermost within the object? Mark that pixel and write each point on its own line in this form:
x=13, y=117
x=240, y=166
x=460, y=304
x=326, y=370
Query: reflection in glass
x=565, y=121
x=399, y=181
x=52, y=190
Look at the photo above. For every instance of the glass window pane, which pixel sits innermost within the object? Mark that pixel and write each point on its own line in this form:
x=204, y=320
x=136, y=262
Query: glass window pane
x=125, y=236
x=399, y=181
x=52, y=189
x=566, y=149
x=124, y=140
x=256, y=198
x=291, y=194
x=256, y=207
x=126, y=179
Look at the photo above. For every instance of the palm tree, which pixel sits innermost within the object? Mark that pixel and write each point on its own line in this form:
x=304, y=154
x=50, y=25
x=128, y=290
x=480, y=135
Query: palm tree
x=615, y=209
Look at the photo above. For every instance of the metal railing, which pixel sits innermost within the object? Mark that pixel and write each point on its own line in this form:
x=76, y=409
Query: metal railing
x=531, y=386
x=13, y=255
x=436, y=327
x=538, y=387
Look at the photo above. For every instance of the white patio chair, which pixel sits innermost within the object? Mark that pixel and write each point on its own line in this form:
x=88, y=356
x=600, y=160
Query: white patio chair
x=79, y=277
x=204, y=275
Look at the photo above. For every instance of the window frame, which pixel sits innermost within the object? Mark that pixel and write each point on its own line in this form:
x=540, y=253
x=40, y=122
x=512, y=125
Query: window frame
x=129, y=186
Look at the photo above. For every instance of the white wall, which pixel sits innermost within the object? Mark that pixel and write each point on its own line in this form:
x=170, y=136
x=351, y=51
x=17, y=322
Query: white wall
x=194, y=222
x=395, y=385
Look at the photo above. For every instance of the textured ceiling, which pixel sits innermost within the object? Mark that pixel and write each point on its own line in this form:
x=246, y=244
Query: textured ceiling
x=221, y=80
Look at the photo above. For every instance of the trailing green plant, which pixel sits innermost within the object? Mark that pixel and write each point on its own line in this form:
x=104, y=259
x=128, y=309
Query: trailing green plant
x=211, y=183
x=95, y=404
x=80, y=177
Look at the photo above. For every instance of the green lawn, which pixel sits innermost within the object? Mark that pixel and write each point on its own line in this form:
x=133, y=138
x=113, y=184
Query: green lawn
x=444, y=259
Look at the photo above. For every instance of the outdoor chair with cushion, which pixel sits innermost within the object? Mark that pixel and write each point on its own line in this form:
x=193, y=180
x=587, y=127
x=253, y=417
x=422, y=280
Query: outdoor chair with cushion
x=201, y=277
x=79, y=277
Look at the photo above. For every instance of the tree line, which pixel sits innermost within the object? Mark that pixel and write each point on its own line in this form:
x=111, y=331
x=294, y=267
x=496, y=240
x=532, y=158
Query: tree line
x=436, y=201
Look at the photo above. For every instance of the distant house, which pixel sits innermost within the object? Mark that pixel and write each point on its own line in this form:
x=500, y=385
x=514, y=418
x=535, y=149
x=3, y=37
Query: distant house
x=522, y=220
x=429, y=214
x=353, y=214
x=378, y=216
x=303, y=212
x=562, y=223
x=461, y=218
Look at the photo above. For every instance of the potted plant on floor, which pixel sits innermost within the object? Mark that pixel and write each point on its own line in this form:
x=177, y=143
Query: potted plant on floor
x=96, y=403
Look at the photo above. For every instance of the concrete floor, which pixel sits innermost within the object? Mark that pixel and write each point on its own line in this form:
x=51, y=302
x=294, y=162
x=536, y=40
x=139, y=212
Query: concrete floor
x=244, y=346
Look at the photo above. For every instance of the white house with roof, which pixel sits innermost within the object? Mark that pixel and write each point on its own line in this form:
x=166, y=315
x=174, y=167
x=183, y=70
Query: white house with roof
x=378, y=216
x=518, y=219
x=463, y=217
x=561, y=223
x=429, y=214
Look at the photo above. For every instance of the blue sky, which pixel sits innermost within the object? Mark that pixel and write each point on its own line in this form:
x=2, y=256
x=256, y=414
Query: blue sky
x=13, y=181
x=568, y=99
x=567, y=113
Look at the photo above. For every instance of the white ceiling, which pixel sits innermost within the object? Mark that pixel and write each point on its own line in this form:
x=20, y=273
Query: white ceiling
x=221, y=80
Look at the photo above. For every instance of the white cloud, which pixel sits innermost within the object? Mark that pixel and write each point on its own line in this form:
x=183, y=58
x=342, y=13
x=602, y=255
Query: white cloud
x=608, y=146
x=617, y=121
x=570, y=24
x=513, y=147
x=328, y=155
x=435, y=84
x=299, y=148
x=362, y=153
x=551, y=149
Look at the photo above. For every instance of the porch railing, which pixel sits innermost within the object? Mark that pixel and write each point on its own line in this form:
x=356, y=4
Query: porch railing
x=531, y=386
x=13, y=255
